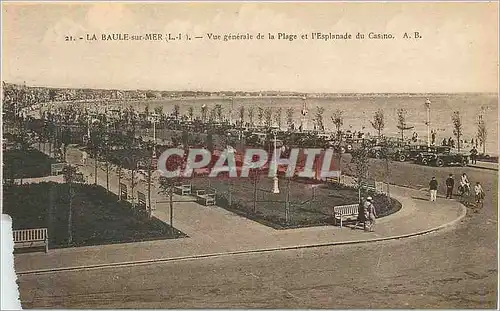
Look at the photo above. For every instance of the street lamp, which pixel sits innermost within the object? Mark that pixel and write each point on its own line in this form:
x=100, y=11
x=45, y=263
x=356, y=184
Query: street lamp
x=428, y=123
x=153, y=120
x=276, y=188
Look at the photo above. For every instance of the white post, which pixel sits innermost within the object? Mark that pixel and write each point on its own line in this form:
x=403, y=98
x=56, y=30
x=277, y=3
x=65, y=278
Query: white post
x=428, y=108
x=276, y=188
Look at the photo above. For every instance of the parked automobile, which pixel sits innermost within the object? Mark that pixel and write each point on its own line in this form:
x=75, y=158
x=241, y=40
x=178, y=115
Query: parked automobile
x=344, y=147
x=441, y=156
x=402, y=154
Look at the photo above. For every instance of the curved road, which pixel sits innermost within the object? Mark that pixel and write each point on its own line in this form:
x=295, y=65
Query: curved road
x=454, y=268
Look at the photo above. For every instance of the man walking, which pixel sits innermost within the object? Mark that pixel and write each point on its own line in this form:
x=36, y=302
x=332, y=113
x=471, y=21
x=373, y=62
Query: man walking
x=479, y=192
x=370, y=215
x=433, y=186
x=450, y=183
x=473, y=155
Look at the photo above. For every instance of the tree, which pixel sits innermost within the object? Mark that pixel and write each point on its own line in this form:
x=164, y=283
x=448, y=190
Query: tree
x=250, y=115
x=218, y=112
x=176, y=111
x=185, y=138
x=402, y=123
x=385, y=154
x=378, y=121
x=167, y=185
x=289, y=118
x=268, y=116
x=457, y=127
x=191, y=113
x=242, y=115
x=260, y=114
x=69, y=175
x=319, y=118
x=204, y=112
x=159, y=111
x=210, y=141
x=277, y=117
x=482, y=132
x=213, y=114
x=338, y=121
x=360, y=160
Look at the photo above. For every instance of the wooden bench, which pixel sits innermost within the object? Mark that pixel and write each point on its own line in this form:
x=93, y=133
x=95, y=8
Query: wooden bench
x=332, y=180
x=339, y=212
x=380, y=187
x=206, y=198
x=183, y=189
x=31, y=238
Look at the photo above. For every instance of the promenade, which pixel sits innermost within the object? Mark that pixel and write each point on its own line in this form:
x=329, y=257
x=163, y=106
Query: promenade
x=493, y=166
x=214, y=231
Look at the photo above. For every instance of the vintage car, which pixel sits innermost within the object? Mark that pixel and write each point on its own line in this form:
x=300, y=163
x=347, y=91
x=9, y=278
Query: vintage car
x=402, y=154
x=394, y=152
x=343, y=147
x=418, y=153
x=442, y=156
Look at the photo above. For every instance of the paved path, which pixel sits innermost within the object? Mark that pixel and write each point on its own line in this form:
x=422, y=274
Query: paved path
x=485, y=165
x=214, y=230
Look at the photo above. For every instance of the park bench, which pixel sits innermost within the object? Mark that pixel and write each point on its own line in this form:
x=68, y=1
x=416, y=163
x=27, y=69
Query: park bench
x=184, y=189
x=339, y=212
x=379, y=187
x=370, y=186
x=31, y=237
x=206, y=198
x=332, y=180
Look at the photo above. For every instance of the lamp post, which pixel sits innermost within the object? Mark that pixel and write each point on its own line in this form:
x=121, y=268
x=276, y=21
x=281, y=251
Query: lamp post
x=428, y=123
x=276, y=188
x=153, y=120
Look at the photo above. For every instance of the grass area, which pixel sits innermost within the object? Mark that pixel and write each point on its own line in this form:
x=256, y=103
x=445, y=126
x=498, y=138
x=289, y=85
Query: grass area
x=97, y=216
x=306, y=209
x=27, y=163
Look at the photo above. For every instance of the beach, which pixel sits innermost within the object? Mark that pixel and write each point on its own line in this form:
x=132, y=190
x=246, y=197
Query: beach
x=358, y=112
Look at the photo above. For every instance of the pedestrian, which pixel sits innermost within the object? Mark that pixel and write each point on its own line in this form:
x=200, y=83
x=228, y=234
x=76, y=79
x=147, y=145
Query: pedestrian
x=473, y=155
x=433, y=186
x=84, y=158
x=449, y=141
x=433, y=138
x=444, y=142
x=450, y=183
x=478, y=190
x=464, y=185
x=361, y=213
x=370, y=215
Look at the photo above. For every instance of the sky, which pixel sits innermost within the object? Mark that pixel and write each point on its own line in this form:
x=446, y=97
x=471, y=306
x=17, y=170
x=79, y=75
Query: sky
x=458, y=51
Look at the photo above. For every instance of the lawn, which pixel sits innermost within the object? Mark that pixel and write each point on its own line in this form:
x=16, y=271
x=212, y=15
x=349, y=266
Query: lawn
x=97, y=216
x=27, y=163
x=306, y=209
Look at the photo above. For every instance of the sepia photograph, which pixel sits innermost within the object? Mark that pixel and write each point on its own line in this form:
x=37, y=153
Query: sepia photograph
x=249, y=155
